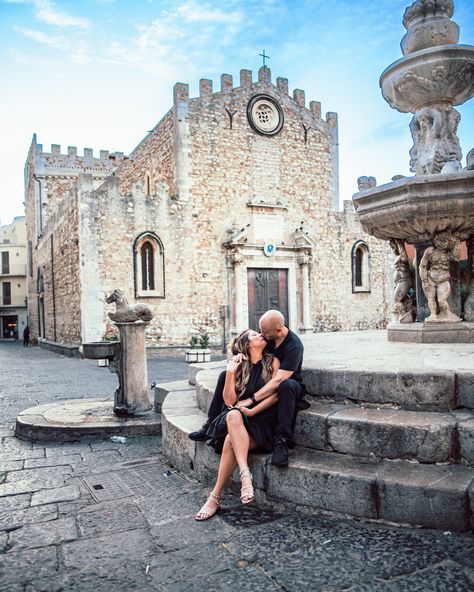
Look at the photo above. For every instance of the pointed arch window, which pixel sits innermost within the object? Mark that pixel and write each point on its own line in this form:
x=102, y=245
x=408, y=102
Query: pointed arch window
x=149, y=266
x=147, y=263
x=360, y=267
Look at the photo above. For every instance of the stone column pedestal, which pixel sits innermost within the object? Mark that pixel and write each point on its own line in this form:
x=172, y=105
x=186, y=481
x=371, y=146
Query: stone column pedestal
x=131, y=397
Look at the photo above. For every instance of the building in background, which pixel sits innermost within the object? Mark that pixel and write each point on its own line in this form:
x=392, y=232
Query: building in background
x=13, y=288
x=228, y=206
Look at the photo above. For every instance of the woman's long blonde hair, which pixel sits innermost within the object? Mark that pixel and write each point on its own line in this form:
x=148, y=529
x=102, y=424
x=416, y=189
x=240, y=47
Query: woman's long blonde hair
x=240, y=345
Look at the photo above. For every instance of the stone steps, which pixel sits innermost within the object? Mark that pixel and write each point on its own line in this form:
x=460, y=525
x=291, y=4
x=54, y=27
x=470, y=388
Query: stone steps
x=433, y=496
x=390, y=433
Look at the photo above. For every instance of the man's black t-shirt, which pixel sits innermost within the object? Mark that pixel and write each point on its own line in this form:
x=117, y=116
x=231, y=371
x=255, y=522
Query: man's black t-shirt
x=290, y=353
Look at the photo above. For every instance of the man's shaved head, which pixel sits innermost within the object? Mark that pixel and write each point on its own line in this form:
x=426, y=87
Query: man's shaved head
x=274, y=318
x=272, y=324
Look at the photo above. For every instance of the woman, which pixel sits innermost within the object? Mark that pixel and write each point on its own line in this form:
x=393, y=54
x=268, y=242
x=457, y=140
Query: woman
x=247, y=427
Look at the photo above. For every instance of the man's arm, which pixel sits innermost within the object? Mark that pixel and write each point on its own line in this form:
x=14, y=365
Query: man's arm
x=268, y=389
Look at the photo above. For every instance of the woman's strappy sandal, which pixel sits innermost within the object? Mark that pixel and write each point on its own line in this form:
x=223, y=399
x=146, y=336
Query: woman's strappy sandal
x=208, y=511
x=246, y=493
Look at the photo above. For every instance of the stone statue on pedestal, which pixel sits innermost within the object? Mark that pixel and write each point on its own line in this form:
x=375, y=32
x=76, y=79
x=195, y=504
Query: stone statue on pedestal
x=435, y=275
x=403, y=311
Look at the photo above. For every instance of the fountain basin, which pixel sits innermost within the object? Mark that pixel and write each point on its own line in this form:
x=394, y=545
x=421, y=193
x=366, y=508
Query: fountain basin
x=436, y=75
x=414, y=208
x=99, y=350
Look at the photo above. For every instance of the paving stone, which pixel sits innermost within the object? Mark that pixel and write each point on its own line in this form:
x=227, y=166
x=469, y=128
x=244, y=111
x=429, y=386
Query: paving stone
x=19, y=487
x=39, y=475
x=23, y=454
x=12, y=444
x=137, y=546
x=15, y=519
x=11, y=465
x=58, y=494
x=14, y=502
x=44, y=534
x=243, y=578
x=446, y=576
x=110, y=518
x=177, y=566
x=66, y=449
x=109, y=575
x=25, y=566
x=3, y=541
x=54, y=461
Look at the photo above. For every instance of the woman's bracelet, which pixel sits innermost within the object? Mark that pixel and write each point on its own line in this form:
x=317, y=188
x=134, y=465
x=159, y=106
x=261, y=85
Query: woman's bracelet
x=253, y=399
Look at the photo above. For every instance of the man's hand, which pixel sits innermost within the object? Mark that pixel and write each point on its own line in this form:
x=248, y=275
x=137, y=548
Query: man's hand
x=244, y=403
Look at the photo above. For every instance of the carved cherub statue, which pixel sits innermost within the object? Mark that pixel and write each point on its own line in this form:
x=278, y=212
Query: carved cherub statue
x=125, y=312
x=403, y=311
x=435, y=276
x=365, y=182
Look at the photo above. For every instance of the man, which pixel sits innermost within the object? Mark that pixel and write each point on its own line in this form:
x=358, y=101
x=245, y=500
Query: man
x=287, y=347
x=26, y=336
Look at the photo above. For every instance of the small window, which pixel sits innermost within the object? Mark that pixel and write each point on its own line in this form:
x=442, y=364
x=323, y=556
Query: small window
x=6, y=293
x=149, y=266
x=360, y=267
x=149, y=186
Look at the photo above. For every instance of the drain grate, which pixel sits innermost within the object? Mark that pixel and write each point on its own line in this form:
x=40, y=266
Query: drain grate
x=144, y=479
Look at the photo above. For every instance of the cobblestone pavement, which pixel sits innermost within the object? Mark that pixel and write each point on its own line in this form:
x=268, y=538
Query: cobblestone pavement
x=56, y=536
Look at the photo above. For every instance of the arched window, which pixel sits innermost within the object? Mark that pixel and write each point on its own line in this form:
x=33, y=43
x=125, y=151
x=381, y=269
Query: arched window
x=149, y=185
x=148, y=271
x=149, y=266
x=360, y=267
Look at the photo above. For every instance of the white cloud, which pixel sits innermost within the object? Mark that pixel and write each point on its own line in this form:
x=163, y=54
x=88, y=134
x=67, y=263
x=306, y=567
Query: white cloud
x=41, y=37
x=47, y=12
x=193, y=12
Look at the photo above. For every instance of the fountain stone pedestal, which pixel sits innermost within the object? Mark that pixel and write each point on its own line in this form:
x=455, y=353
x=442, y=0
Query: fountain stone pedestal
x=131, y=396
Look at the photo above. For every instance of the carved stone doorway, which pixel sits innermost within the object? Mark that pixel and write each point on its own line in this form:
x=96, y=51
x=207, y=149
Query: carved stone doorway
x=267, y=288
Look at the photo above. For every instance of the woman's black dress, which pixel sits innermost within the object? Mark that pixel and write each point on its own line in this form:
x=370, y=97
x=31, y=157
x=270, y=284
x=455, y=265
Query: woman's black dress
x=261, y=426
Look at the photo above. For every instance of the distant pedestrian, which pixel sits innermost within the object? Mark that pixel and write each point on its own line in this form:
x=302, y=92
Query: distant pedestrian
x=26, y=336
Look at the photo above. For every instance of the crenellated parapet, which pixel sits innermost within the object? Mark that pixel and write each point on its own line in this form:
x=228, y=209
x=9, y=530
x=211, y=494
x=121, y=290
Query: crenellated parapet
x=54, y=163
x=181, y=94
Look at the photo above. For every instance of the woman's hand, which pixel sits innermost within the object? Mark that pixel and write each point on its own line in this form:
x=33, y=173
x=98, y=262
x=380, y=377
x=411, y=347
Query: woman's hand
x=245, y=410
x=233, y=366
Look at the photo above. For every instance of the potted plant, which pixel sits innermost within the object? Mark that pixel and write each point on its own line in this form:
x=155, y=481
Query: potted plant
x=199, y=351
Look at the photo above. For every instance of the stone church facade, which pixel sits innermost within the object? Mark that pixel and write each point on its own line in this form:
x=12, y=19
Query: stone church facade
x=229, y=206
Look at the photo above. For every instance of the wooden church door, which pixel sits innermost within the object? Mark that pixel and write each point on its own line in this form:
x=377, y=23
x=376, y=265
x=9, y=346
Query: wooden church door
x=267, y=288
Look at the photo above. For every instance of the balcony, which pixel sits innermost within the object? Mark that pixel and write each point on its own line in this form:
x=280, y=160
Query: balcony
x=13, y=270
x=14, y=301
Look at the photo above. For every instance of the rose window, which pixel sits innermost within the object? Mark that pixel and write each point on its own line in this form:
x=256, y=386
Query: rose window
x=265, y=115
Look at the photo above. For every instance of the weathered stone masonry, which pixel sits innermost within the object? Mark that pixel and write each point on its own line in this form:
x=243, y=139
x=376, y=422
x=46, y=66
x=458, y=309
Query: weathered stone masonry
x=213, y=190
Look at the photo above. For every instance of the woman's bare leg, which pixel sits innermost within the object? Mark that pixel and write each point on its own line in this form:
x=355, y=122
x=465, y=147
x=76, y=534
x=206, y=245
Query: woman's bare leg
x=241, y=441
x=226, y=466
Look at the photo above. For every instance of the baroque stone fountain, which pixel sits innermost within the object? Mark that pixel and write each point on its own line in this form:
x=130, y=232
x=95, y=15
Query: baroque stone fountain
x=434, y=209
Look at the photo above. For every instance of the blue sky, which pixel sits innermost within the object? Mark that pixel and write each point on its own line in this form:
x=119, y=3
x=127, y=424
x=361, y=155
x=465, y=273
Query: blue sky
x=99, y=73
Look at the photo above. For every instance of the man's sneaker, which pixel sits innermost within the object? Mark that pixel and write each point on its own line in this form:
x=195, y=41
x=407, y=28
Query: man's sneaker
x=280, y=453
x=200, y=435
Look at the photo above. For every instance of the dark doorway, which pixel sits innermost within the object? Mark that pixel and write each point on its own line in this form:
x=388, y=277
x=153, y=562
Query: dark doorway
x=9, y=327
x=267, y=288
